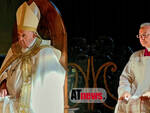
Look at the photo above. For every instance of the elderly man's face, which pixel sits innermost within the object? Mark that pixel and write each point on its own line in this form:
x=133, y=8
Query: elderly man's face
x=144, y=34
x=25, y=38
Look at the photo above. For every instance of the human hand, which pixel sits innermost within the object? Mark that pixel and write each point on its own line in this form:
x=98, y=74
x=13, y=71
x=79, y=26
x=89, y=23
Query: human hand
x=125, y=96
x=3, y=92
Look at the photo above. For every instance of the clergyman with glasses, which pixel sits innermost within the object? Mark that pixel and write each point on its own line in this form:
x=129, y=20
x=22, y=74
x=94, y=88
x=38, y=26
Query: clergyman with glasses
x=134, y=84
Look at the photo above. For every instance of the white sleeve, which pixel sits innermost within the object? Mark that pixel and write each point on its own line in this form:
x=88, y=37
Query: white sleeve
x=125, y=79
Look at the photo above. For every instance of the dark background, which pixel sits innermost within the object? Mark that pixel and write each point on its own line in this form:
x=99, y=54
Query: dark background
x=90, y=18
x=104, y=29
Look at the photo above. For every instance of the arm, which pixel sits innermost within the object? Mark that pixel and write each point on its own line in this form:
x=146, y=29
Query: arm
x=126, y=79
x=3, y=76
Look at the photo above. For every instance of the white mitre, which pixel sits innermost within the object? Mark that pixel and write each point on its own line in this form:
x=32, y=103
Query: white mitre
x=28, y=17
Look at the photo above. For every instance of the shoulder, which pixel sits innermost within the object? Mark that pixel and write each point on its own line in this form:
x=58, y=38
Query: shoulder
x=137, y=54
x=46, y=48
x=8, y=56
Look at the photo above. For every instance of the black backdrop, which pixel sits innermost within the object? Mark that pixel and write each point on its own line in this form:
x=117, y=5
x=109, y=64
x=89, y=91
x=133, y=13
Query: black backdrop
x=92, y=18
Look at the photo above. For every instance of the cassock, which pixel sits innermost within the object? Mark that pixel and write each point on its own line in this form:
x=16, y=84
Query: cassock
x=35, y=79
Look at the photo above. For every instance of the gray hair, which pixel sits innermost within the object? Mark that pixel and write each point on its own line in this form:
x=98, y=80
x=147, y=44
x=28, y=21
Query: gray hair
x=145, y=24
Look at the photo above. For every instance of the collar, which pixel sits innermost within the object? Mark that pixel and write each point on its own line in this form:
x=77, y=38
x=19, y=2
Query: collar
x=17, y=49
x=147, y=52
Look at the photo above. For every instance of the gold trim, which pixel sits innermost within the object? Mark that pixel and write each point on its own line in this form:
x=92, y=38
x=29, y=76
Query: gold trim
x=10, y=60
x=24, y=100
x=27, y=28
x=16, y=49
x=23, y=14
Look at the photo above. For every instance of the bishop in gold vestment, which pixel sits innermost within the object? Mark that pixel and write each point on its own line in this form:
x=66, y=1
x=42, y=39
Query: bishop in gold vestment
x=34, y=77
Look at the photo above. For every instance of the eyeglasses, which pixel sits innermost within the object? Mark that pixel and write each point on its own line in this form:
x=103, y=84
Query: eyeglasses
x=143, y=36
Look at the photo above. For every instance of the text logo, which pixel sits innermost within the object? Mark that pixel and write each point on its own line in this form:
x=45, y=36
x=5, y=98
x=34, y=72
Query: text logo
x=88, y=95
